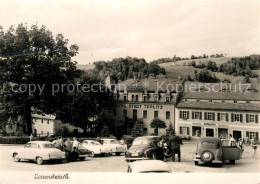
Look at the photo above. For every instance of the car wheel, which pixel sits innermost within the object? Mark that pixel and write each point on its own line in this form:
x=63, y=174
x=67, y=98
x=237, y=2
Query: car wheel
x=92, y=154
x=82, y=158
x=232, y=162
x=118, y=154
x=154, y=156
x=196, y=162
x=39, y=160
x=207, y=156
x=16, y=157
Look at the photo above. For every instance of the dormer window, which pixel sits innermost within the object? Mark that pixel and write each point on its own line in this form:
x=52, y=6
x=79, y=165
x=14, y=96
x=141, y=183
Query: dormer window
x=145, y=99
x=156, y=98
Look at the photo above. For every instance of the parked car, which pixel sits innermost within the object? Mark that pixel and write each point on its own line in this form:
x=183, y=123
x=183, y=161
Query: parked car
x=143, y=148
x=96, y=148
x=215, y=150
x=114, y=146
x=81, y=154
x=39, y=151
x=148, y=166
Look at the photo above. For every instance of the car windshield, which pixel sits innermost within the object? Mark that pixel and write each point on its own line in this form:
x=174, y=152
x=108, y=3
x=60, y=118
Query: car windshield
x=114, y=142
x=141, y=141
x=210, y=145
x=48, y=146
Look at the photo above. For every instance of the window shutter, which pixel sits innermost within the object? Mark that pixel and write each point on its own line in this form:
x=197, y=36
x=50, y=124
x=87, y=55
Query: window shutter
x=256, y=135
x=180, y=114
x=192, y=114
x=180, y=130
x=256, y=118
x=201, y=115
x=218, y=116
x=188, y=115
x=205, y=116
x=213, y=116
x=227, y=117
x=188, y=130
x=232, y=117
x=247, y=118
x=241, y=118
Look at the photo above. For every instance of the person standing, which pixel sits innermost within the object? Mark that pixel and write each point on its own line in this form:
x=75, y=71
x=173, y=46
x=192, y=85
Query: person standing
x=175, y=142
x=75, y=145
x=31, y=137
x=68, y=148
x=231, y=139
x=240, y=146
x=254, y=146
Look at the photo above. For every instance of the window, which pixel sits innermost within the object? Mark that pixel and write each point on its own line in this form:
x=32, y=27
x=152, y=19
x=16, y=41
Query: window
x=210, y=100
x=125, y=99
x=144, y=114
x=145, y=98
x=184, y=130
x=236, y=118
x=184, y=114
x=167, y=99
x=156, y=98
x=48, y=121
x=155, y=114
x=167, y=114
x=252, y=135
x=125, y=113
x=42, y=120
x=48, y=133
x=196, y=115
x=136, y=98
x=251, y=118
x=209, y=115
x=133, y=98
x=42, y=132
x=235, y=101
x=222, y=116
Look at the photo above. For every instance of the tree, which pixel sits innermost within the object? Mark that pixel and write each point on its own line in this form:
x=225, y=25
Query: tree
x=63, y=131
x=170, y=130
x=189, y=77
x=156, y=124
x=35, y=59
x=86, y=104
x=105, y=131
x=247, y=79
x=137, y=129
x=193, y=63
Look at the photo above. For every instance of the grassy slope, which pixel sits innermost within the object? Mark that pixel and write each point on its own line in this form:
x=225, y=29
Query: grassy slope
x=85, y=67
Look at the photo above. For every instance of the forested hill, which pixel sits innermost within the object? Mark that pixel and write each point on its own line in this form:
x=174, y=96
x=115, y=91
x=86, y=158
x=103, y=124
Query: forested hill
x=127, y=68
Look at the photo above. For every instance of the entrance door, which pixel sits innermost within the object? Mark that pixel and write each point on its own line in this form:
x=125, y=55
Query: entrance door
x=209, y=132
x=237, y=134
x=134, y=115
x=196, y=131
x=223, y=133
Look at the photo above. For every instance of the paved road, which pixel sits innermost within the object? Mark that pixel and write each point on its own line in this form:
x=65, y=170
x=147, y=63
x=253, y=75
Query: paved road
x=118, y=164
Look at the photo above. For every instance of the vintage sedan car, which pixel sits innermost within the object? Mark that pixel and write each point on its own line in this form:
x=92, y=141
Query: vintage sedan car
x=39, y=151
x=144, y=148
x=215, y=150
x=96, y=148
x=148, y=166
x=114, y=146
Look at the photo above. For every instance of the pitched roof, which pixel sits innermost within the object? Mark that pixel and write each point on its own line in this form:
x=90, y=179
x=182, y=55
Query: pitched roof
x=220, y=106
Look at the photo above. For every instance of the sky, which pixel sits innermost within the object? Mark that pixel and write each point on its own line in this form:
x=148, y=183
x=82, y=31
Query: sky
x=150, y=29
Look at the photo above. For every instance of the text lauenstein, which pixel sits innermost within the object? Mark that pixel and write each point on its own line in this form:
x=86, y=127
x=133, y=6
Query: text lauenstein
x=52, y=176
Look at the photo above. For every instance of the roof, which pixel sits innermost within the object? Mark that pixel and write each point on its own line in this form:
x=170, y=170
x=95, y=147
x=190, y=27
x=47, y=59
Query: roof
x=151, y=85
x=220, y=91
x=149, y=166
x=212, y=139
x=46, y=116
x=220, y=106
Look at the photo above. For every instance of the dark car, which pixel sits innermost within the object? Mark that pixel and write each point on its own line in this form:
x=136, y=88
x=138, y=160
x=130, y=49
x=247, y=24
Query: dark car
x=215, y=150
x=81, y=154
x=144, y=148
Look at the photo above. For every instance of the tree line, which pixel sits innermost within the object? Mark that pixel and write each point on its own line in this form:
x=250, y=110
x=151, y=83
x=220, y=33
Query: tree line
x=121, y=69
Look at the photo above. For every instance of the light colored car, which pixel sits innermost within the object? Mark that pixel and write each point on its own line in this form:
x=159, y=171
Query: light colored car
x=114, y=145
x=38, y=151
x=215, y=150
x=148, y=166
x=96, y=148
